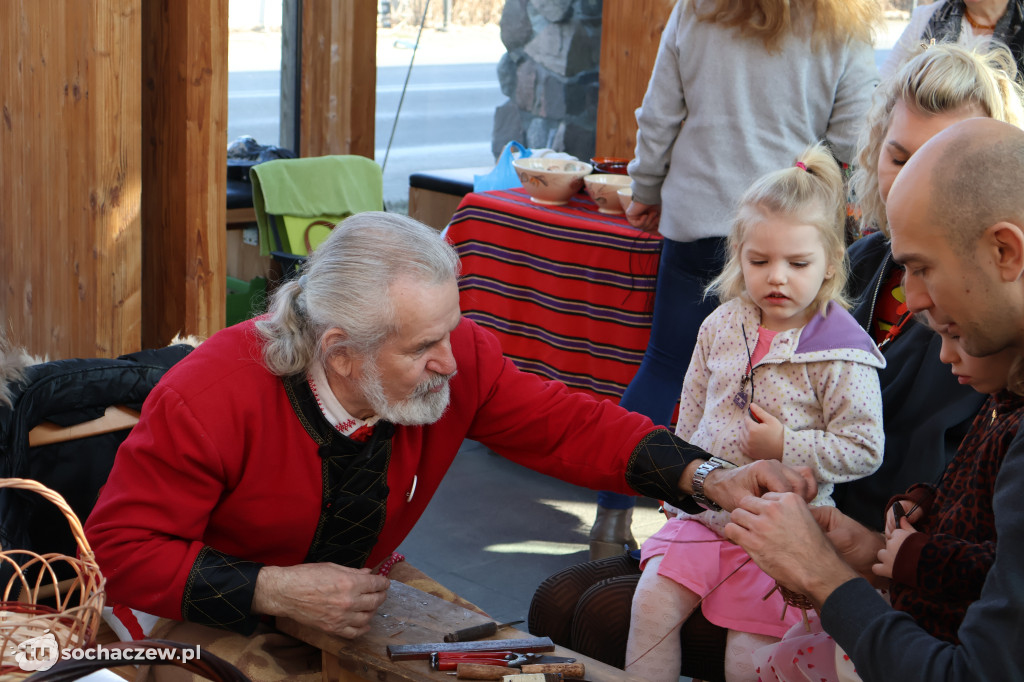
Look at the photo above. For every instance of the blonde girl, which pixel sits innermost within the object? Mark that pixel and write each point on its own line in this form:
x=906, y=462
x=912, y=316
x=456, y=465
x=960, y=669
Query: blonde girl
x=780, y=371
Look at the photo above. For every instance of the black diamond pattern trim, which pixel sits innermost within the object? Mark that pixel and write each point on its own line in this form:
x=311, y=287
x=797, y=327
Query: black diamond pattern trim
x=354, y=475
x=657, y=464
x=219, y=592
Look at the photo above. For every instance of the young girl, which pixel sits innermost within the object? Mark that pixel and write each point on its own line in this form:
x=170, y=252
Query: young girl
x=780, y=371
x=939, y=553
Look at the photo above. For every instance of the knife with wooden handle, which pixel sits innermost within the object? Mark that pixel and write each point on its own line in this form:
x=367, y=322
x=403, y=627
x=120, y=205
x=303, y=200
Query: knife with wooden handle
x=477, y=631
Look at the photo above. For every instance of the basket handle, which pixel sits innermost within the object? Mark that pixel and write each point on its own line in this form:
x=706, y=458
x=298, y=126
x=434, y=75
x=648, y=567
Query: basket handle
x=316, y=223
x=58, y=500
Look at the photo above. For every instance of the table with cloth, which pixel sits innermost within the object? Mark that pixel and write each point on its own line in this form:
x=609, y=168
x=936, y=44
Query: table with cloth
x=567, y=290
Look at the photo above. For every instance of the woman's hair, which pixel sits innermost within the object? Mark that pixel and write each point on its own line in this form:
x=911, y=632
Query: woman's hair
x=835, y=21
x=812, y=195
x=345, y=285
x=939, y=79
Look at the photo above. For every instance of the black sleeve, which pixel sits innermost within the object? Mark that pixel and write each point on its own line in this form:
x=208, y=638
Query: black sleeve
x=219, y=592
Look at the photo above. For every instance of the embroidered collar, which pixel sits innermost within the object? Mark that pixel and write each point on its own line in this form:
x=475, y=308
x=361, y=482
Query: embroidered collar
x=332, y=409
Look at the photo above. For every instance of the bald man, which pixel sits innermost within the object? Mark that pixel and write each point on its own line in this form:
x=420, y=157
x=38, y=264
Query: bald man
x=957, y=217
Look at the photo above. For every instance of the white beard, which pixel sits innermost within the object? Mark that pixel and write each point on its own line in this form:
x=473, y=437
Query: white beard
x=423, y=406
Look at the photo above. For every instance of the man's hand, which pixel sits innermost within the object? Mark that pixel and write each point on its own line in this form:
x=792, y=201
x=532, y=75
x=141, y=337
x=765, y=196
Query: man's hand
x=857, y=544
x=763, y=436
x=785, y=540
x=333, y=598
x=728, y=486
x=893, y=541
x=644, y=216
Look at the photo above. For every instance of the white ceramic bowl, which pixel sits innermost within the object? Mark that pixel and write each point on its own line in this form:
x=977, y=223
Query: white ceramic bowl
x=625, y=196
x=551, y=181
x=603, y=188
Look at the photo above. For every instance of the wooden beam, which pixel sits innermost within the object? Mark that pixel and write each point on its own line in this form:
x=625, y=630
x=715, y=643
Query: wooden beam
x=630, y=35
x=70, y=179
x=339, y=77
x=184, y=169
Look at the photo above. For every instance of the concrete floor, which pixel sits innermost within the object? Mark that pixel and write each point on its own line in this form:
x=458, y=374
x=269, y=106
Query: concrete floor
x=495, y=530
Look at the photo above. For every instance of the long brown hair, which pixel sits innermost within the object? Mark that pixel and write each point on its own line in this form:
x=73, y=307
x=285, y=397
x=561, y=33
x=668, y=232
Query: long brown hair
x=835, y=21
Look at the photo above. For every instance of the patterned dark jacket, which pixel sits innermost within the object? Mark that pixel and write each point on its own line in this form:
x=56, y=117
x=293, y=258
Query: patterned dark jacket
x=939, y=571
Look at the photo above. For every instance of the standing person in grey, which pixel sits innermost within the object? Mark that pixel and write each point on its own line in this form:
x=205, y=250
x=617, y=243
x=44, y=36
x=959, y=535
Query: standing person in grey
x=739, y=88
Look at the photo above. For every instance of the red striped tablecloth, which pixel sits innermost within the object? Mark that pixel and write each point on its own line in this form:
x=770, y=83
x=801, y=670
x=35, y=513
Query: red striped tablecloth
x=567, y=290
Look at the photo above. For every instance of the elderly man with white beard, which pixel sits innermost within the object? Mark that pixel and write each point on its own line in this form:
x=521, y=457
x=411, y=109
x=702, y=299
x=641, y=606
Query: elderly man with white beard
x=277, y=468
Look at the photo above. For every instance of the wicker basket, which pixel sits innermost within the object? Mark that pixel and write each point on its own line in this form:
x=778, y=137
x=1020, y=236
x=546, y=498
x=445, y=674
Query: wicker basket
x=36, y=602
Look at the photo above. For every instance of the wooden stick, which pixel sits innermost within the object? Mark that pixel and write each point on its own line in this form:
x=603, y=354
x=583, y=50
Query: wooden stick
x=570, y=670
x=115, y=418
x=476, y=671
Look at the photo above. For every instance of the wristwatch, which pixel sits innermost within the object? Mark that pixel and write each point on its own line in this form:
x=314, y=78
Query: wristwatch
x=698, y=481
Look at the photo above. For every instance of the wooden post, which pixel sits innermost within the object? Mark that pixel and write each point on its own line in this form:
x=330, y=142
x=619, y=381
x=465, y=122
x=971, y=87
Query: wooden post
x=630, y=34
x=70, y=179
x=184, y=167
x=339, y=77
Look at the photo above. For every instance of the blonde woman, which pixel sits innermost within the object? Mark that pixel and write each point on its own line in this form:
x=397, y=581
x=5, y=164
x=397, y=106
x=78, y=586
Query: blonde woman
x=739, y=88
x=927, y=412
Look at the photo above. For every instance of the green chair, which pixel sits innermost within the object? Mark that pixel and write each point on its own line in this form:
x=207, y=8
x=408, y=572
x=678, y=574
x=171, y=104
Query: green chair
x=298, y=201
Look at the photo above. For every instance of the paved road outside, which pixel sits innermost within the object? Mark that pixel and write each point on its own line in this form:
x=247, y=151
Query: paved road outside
x=447, y=115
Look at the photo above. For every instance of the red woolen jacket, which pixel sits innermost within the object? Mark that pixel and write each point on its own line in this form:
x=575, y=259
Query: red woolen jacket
x=223, y=474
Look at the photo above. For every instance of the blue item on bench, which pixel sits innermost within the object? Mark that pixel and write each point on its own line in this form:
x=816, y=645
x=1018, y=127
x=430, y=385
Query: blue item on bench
x=504, y=175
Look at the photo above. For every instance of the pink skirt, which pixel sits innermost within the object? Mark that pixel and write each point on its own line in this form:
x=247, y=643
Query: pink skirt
x=804, y=656
x=710, y=566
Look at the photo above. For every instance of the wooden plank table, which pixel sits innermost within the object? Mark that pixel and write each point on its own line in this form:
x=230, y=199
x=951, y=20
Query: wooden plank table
x=410, y=616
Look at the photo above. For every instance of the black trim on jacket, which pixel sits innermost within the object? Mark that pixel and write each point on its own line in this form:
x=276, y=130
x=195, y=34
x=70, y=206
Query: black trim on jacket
x=219, y=592
x=657, y=464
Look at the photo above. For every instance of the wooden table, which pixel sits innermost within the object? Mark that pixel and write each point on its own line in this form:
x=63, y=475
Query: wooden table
x=568, y=290
x=410, y=616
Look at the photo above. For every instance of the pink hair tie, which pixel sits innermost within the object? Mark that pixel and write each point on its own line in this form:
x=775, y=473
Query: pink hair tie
x=801, y=165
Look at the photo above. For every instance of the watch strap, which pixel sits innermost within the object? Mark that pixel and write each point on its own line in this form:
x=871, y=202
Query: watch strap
x=700, y=475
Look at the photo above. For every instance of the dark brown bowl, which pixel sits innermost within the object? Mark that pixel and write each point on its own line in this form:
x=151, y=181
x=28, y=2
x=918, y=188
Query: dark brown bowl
x=609, y=164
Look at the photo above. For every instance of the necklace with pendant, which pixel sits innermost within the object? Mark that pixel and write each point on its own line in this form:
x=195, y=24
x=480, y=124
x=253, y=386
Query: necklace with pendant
x=740, y=400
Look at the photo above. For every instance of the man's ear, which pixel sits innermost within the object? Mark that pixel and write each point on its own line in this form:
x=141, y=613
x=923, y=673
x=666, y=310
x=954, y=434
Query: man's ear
x=1006, y=243
x=339, y=360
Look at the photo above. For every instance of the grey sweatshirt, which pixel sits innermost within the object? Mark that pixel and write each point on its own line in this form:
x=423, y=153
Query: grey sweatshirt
x=746, y=112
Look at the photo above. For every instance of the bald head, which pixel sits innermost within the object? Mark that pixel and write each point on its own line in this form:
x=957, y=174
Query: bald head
x=968, y=178
x=956, y=213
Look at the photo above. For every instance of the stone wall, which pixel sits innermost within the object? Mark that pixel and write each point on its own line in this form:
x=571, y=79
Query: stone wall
x=549, y=75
